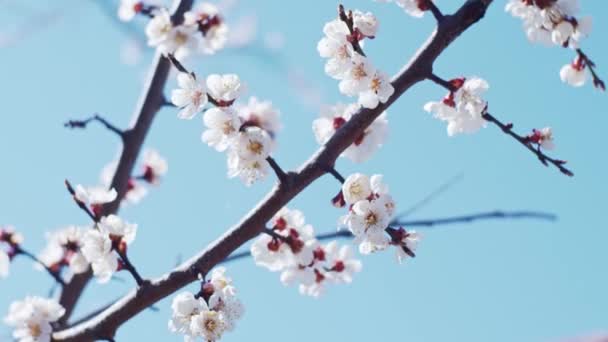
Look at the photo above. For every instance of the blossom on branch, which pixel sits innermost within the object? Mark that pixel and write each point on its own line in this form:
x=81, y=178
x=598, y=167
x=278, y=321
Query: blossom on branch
x=32, y=318
x=574, y=73
x=334, y=117
x=94, y=197
x=155, y=166
x=191, y=96
x=63, y=249
x=346, y=62
x=208, y=313
x=260, y=114
x=291, y=248
x=463, y=107
x=112, y=234
x=10, y=239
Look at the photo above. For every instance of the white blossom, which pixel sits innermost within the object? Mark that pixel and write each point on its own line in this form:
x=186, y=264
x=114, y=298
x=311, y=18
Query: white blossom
x=155, y=166
x=336, y=48
x=261, y=114
x=224, y=88
x=208, y=314
x=135, y=190
x=182, y=41
x=365, y=23
x=31, y=318
x=341, y=263
x=358, y=76
x=356, y=188
x=159, y=28
x=333, y=117
x=94, y=195
x=409, y=241
x=191, y=96
x=5, y=262
x=275, y=254
x=97, y=249
x=574, y=73
x=98, y=245
x=463, y=109
x=378, y=90
x=369, y=216
x=248, y=153
x=185, y=306
x=411, y=7
x=208, y=324
x=544, y=138
x=128, y=9
x=222, y=127
x=553, y=23
x=64, y=249
x=215, y=31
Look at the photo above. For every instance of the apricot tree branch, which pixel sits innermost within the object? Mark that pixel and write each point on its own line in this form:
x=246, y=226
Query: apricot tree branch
x=151, y=101
x=430, y=4
x=18, y=250
x=507, y=128
x=281, y=175
x=428, y=223
x=525, y=141
x=420, y=66
x=83, y=124
x=597, y=81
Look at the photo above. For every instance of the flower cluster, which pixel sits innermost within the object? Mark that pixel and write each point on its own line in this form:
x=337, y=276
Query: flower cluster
x=202, y=30
x=154, y=166
x=334, y=117
x=32, y=317
x=245, y=132
x=63, y=249
x=208, y=313
x=98, y=245
x=463, y=107
x=291, y=248
x=415, y=8
x=371, y=209
x=357, y=75
x=11, y=241
x=554, y=22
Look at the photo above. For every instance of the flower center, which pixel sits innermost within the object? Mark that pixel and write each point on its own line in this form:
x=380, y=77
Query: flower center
x=35, y=330
x=359, y=72
x=371, y=219
x=255, y=147
x=181, y=38
x=375, y=86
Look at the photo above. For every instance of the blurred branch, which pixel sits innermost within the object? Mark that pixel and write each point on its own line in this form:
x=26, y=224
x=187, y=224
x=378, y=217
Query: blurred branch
x=151, y=101
x=83, y=124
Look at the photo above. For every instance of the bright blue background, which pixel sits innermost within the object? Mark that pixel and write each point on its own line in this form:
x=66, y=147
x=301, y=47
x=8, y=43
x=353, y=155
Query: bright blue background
x=487, y=281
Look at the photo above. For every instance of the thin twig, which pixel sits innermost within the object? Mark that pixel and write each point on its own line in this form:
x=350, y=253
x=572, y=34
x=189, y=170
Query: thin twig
x=430, y=4
x=507, y=128
x=428, y=223
x=332, y=171
x=83, y=124
x=440, y=81
x=129, y=267
x=281, y=175
x=20, y=251
x=597, y=81
x=79, y=203
x=545, y=159
x=348, y=20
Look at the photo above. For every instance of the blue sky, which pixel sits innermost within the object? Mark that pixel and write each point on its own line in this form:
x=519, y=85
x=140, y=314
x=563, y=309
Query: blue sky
x=487, y=281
